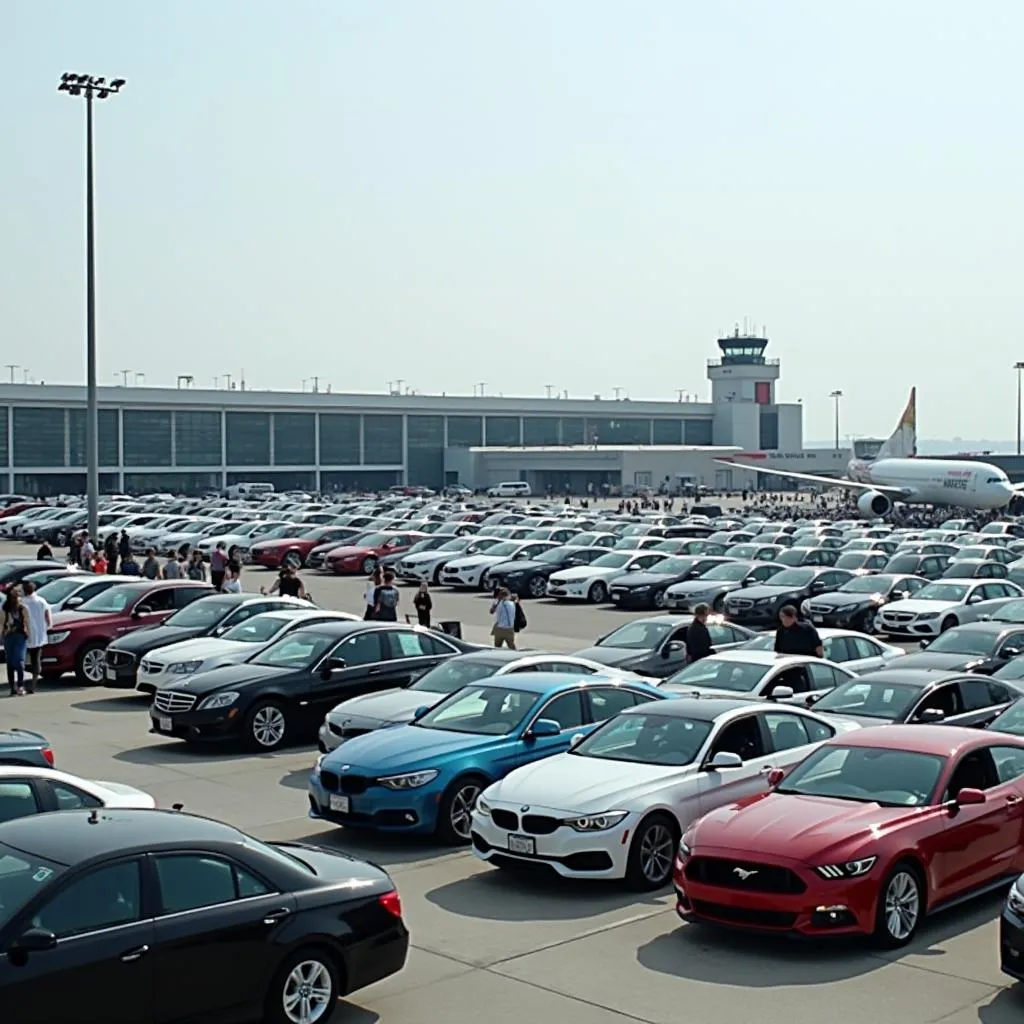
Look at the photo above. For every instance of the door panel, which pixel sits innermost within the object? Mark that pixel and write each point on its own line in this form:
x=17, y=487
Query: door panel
x=745, y=737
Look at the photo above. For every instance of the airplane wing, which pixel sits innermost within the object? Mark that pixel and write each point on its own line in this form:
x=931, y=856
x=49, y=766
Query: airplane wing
x=823, y=481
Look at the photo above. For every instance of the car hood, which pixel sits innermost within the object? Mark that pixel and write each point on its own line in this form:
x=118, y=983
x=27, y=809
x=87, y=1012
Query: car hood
x=613, y=657
x=204, y=649
x=429, y=556
x=177, y=538
x=472, y=561
x=271, y=545
x=524, y=565
x=71, y=619
x=917, y=606
x=568, y=782
x=586, y=572
x=389, y=706
x=642, y=579
x=798, y=827
x=699, y=586
x=938, y=660
x=348, y=551
x=149, y=638
x=227, y=676
x=838, y=600
x=756, y=593
x=406, y=747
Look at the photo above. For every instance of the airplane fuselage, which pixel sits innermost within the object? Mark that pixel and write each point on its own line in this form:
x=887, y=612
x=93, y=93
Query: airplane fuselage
x=938, y=481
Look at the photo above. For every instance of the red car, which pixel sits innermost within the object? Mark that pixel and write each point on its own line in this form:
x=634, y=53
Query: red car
x=870, y=833
x=362, y=557
x=77, y=640
x=294, y=550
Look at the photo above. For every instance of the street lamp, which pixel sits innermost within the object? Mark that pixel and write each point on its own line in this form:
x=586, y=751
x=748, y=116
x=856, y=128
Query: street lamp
x=90, y=88
x=1018, y=367
x=836, y=397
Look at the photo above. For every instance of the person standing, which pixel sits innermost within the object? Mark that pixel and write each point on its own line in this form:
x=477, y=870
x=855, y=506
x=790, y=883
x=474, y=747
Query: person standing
x=287, y=584
x=151, y=567
x=129, y=567
x=124, y=547
x=504, y=612
x=796, y=637
x=172, y=568
x=698, y=639
x=373, y=582
x=233, y=584
x=40, y=621
x=110, y=550
x=44, y=553
x=218, y=565
x=197, y=567
x=386, y=598
x=99, y=563
x=519, y=624
x=15, y=634
x=88, y=552
x=423, y=603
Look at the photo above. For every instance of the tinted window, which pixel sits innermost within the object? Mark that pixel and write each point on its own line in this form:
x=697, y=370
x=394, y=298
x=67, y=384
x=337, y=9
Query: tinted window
x=608, y=701
x=975, y=695
x=191, y=881
x=454, y=675
x=256, y=630
x=295, y=651
x=566, y=710
x=647, y=739
x=17, y=799
x=101, y=898
x=71, y=798
x=787, y=731
x=639, y=635
x=837, y=649
x=964, y=641
x=404, y=644
x=863, y=648
x=714, y=674
x=742, y=738
x=1009, y=762
x=882, y=700
x=823, y=677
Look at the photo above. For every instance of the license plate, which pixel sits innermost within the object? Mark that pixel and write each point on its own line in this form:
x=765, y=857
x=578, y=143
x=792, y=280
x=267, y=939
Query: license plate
x=164, y=724
x=817, y=620
x=522, y=844
x=111, y=673
x=340, y=804
x=616, y=597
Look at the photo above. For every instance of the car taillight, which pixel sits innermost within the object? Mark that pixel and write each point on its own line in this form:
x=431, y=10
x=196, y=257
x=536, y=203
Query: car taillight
x=48, y=754
x=392, y=903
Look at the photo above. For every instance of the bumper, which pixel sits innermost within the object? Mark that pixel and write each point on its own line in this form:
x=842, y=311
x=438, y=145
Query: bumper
x=57, y=660
x=571, y=591
x=464, y=578
x=121, y=677
x=632, y=598
x=570, y=854
x=410, y=811
x=685, y=602
x=416, y=573
x=916, y=627
x=267, y=559
x=1011, y=944
x=765, y=616
x=217, y=725
x=376, y=958
x=843, y=618
x=346, y=566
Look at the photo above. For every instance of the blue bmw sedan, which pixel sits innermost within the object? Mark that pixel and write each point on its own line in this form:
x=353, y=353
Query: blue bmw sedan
x=424, y=778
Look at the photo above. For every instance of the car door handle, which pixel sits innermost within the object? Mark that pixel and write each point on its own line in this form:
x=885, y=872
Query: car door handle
x=1013, y=799
x=134, y=954
x=376, y=671
x=276, y=916
x=767, y=768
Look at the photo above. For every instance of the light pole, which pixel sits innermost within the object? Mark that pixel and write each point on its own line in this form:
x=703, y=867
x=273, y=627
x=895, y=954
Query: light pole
x=90, y=88
x=1018, y=367
x=836, y=397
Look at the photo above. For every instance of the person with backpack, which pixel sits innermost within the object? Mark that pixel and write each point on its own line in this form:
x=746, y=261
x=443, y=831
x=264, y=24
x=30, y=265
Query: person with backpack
x=504, y=612
x=385, y=600
x=519, y=622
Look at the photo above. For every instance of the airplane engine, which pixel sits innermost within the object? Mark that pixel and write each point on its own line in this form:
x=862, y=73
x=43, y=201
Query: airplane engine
x=874, y=505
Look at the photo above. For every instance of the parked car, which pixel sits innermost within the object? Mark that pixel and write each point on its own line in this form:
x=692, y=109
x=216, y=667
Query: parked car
x=529, y=577
x=931, y=567
x=591, y=582
x=975, y=569
x=711, y=587
x=759, y=606
x=244, y=534
x=165, y=890
x=981, y=647
x=284, y=692
x=72, y=590
x=647, y=588
x=846, y=647
x=21, y=747
x=425, y=566
x=615, y=804
x=862, y=562
x=855, y=604
x=470, y=570
x=944, y=604
x=13, y=570
x=77, y=640
x=799, y=556
x=36, y=790
x=291, y=549
x=361, y=556
x=424, y=778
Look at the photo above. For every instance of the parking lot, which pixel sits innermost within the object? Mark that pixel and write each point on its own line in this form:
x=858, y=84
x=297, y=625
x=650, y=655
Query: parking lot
x=513, y=950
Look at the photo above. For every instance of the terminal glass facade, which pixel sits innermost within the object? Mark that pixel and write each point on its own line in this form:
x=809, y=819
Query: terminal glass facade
x=39, y=437
x=147, y=437
x=465, y=432
x=425, y=455
x=769, y=430
x=698, y=432
x=294, y=439
x=248, y=438
x=4, y=446
x=667, y=432
x=503, y=432
x=109, y=421
x=573, y=430
x=382, y=440
x=198, y=439
x=540, y=431
x=340, y=442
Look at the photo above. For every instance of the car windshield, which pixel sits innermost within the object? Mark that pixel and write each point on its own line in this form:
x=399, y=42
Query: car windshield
x=953, y=592
x=743, y=550
x=727, y=572
x=791, y=556
x=22, y=876
x=637, y=635
x=791, y=578
x=647, y=739
x=853, y=559
x=507, y=547
x=613, y=560
x=964, y=641
x=674, y=566
x=481, y=710
x=867, y=585
x=972, y=552
x=714, y=674
x=56, y=590
x=555, y=556
x=257, y=630
x=368, y=540
x=428, y=544
x=454, y=674
x=455, y=544
x=200, y=614
x=876, y=775
x=1012, y=611
x=116, y=599
x=296, y=650
x=888, y=702
x=1011, y=720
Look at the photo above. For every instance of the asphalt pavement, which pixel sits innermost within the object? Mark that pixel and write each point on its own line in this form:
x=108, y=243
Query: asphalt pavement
x=508, y=949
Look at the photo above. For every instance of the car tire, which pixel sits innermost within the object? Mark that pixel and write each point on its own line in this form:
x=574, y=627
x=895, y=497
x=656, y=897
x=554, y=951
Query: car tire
x=597, y=593
x=455, y=809
x=312, y=969
x=718, y=605
x=437, y=576
x=369, y=565
x=266, y=726
x=90, y=663
x=292, y=560
x=948, y=623
x=537, y=586
x=866, y=622
x=901, y=906
x=652, y=853
x=658, y=599
x=61, y=539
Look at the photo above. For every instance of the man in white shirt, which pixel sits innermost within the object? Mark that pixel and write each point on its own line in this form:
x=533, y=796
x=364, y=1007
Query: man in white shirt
x=504, y=612
x=40, y=619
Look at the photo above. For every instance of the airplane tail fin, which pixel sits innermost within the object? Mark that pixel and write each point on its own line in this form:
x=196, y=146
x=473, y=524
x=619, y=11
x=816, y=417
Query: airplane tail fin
x=902, y=444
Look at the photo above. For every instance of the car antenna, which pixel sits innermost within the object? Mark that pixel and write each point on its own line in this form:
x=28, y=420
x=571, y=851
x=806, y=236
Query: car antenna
x=177, y=807
x=94, y=817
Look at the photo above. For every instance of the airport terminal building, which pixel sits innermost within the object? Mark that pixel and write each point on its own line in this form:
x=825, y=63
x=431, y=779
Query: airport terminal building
x=189, y=440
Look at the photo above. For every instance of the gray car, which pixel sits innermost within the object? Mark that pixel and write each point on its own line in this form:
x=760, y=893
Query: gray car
x=711, y=588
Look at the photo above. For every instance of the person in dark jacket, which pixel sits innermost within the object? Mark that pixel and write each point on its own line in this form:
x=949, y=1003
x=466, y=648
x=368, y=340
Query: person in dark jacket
x=796, y=637
x=124, y=546
x=698, y=639
x=111, y=551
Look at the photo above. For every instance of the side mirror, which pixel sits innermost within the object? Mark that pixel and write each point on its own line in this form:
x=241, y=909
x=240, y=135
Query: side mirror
x=781, y=693
x=775, y=776
x=1012, y=652
x=932, y=715
x=970, y=797
x=576, y=741
x=812, y=699
x=723, y=760
x=672, y=647
x=74, y=602
x=817, y=587
x=420, y=712
x=543, y=727
x=39, y=940
x=329, y=668
x=924, y=643
x=747, y=581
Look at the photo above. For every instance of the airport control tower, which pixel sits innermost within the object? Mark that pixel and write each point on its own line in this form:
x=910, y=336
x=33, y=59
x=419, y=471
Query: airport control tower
x=743, y=374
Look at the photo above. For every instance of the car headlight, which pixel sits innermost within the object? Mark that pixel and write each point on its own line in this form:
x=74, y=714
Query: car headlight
x=482, y=807
x=1015, y=898
x=319, y=765
x=218, y=700
x=409, y=780
x=851, y=869
x=764, y=600
x=595, y=822
x=185, y=668
x=58, y=638
x=927, y=615
x=640, y=590
x=685, y=847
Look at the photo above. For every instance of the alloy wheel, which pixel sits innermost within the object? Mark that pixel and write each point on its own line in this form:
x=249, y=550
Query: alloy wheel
x=308, y=992
x=94, y=665
x=461, y=815
x=657, y=849
x=537, y=586
x=902, y=905
x=268, y=725
x=659, y=599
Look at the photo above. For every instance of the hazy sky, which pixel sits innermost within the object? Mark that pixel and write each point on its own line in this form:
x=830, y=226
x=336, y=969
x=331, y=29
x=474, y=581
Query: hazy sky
x=575, y=192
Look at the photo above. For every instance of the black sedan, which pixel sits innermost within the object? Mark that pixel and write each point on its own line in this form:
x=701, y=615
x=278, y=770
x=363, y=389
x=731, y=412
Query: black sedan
x=898, y=696
x=796, y=557
x=981, y=647
x=286, y=690
x=646, y=588
x=855, y=604
x=135, y=917
x=21, y=747
x=529, y=577
x=931, y=567
x=759, y=606
x=14, y=570
x=656, y=646
x=209, y=616
x=975, y=569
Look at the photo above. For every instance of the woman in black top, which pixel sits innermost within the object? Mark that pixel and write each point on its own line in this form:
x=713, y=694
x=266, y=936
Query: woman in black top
x=423, y=604
x=288, y=584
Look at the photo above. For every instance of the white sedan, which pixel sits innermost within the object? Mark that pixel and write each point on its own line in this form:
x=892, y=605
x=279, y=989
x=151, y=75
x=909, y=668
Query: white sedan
x=616, y=804
x=943, y=604
x=854, y=651
x=244, y=534
x=471, y=571
x=426, y=566
x=26, y=790
x=170, y=664
x=590, y=582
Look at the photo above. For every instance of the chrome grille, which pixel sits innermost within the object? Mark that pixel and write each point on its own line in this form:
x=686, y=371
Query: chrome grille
x=741, y=602
x=152, y=667
x=119, y=658
x=169, y=700
x=345, y=732
x=898, y=616
x=819, y=609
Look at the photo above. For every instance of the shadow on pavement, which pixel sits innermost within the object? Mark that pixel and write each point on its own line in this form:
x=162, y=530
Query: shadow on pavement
x=346, y=1013
x=136, y=702
x=169, y=754
x=1006, y=1008
x=497, y=895
x=382, y=849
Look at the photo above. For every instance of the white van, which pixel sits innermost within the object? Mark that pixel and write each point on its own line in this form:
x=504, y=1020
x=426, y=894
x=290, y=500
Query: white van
x=510, y=489
x=250, y=490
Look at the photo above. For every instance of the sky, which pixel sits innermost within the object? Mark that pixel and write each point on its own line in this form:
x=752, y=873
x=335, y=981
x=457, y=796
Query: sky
x=581, y=193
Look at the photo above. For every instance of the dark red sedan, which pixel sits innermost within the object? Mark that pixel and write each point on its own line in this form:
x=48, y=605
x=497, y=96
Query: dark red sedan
x=364, y=555
x=292, y=551
x=870, y=833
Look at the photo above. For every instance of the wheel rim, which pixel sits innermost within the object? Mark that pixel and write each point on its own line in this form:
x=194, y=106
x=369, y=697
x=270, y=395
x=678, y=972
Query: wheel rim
x=369, y=565
x=657, y=848
x=537, y=587
x=659, y=599
x=902, y=905
x=268, y=726
x=94, y=665
x=307, y=993
x=597, y=592
x=461, y=816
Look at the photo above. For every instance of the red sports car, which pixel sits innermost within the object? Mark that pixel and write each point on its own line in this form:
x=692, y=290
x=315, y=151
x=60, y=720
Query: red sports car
x=871, y=832
x=294, y=549
x=365, y=553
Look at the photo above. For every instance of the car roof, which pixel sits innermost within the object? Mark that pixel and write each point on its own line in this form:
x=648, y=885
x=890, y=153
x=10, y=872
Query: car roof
x=21, y=737
x=494, y=656
x=704, y=709
x=342, y=627
x=544, y=682
x=70, y=837
x=922, y=677
x=940, y=740
x=989, y=626
x=755, y=657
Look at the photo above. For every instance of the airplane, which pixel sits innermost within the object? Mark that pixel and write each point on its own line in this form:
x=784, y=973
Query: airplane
x=895, y=474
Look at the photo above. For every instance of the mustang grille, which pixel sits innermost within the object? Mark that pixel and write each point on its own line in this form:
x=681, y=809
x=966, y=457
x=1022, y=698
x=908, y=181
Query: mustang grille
x=748, y=877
